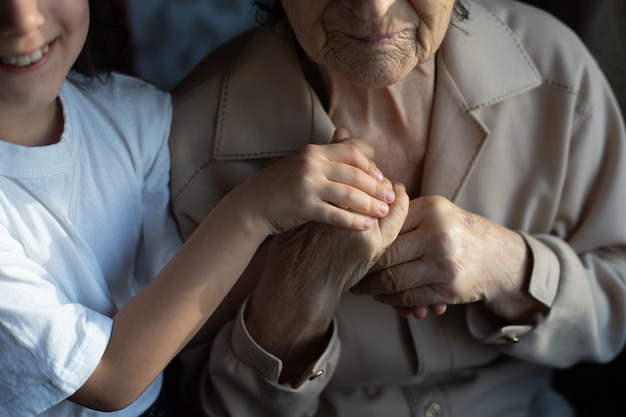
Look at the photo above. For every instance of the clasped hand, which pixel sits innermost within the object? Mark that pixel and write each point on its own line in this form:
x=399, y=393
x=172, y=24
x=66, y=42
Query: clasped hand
x=444, y=256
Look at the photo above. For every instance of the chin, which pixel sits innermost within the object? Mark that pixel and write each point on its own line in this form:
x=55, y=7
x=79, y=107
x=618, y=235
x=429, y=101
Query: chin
x=376, y=78
x=377, y=73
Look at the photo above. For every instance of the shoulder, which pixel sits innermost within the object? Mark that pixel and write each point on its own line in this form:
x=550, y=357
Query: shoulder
x=526, y=20
x=133, y=115
x=196, y=97
x=196, y=103
x=554, y=48
x=117, y=94
x=117, y=100
x=220, y=114
x=117, y=89
x=506, y=50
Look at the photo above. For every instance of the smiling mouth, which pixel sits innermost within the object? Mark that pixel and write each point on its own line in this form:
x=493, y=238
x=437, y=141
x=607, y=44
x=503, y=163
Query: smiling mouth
x=26, y=60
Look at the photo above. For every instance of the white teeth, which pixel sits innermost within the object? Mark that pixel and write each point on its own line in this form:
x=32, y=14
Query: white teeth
x=36, y=56
x=25, y=60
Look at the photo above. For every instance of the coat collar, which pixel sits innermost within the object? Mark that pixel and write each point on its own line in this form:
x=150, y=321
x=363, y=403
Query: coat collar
x=267, y=108
x=480, y=62
x=485, y=60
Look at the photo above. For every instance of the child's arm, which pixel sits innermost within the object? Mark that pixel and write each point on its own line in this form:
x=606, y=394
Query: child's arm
x=155, y=325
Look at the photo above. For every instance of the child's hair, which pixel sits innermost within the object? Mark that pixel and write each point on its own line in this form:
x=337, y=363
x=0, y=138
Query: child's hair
x=107, y=31
x=84, y=64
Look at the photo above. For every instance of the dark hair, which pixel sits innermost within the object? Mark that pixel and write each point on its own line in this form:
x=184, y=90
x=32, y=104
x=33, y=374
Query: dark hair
x=101, y=52
x=84, y=64
x=271, y=12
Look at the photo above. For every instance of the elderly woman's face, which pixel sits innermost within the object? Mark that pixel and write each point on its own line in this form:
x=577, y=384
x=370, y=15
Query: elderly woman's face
x=371, y=43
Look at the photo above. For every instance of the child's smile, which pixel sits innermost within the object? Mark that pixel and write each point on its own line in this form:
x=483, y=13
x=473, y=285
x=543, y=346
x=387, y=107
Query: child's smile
x=26, y=59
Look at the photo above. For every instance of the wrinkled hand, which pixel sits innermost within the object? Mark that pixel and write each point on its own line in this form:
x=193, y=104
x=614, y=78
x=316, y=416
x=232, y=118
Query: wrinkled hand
x=446, y=255
x=305, y=274
x=337, y=258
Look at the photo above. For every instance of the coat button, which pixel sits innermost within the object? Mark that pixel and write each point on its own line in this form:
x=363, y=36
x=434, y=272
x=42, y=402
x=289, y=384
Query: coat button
x=315, y=374
x=432, y=410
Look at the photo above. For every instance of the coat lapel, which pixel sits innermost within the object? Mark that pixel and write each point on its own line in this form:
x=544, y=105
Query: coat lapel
x=454, y=144
x=468, y=80
x=267, y=108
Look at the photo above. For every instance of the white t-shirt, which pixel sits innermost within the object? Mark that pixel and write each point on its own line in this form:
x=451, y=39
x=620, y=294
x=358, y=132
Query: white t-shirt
x=84, y=225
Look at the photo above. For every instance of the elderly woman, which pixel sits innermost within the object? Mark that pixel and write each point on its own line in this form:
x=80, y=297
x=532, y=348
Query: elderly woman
x=513, y=150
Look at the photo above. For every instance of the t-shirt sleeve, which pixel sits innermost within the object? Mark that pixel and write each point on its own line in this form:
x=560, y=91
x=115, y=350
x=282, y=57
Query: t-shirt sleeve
x=49, y=346
x=160, y=236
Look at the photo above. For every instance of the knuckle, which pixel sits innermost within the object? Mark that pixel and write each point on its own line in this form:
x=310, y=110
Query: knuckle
x=451, y=269
x=358, y=176
x=393, y=281
x=309, y=149
x=334, y=217
x=353, y=151
x=438, y=202
x=351, y=196
x=306, y=160
x=352, y=148
x=306, y=174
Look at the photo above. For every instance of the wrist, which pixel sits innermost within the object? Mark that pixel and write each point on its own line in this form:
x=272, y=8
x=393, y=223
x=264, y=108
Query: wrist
x=515, y=303
x=248, y=218
x=519, y=308
x=283, y=321
x=295, y=329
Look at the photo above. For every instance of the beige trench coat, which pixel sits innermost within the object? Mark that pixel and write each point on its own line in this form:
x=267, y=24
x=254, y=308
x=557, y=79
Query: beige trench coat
x=525, y=132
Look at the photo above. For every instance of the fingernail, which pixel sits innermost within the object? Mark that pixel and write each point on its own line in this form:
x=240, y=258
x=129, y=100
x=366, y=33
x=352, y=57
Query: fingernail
x=384, y=208
x=367, y=224
x=379, y=175
x=389, y=196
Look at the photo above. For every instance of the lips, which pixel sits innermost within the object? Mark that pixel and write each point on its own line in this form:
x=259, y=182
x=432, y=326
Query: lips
x=27, y=59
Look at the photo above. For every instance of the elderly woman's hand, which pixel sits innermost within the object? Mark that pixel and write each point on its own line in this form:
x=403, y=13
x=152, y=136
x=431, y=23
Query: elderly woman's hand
x=446, y=255
x=307, y=271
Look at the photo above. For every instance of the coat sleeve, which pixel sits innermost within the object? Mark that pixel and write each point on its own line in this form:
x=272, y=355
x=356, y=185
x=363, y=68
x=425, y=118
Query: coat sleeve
x=241, y=379
x=579, y=269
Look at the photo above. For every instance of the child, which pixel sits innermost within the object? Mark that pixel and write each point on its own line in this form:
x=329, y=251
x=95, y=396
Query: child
x=97, y=294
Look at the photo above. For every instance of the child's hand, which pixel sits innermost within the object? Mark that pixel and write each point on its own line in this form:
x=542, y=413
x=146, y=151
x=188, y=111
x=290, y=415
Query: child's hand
x=334, y=184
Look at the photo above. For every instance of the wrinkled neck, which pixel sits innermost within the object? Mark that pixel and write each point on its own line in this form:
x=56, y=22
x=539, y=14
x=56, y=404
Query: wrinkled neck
x=394, y=120
x=384, y=108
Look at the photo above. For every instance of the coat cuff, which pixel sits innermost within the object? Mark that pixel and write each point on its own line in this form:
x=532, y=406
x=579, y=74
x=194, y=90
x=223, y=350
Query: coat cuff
x=544, y=280
x=543, y=286
x=268, y=365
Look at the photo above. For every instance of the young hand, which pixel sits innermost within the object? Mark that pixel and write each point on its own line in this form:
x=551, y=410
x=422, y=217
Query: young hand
x=335, y=184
